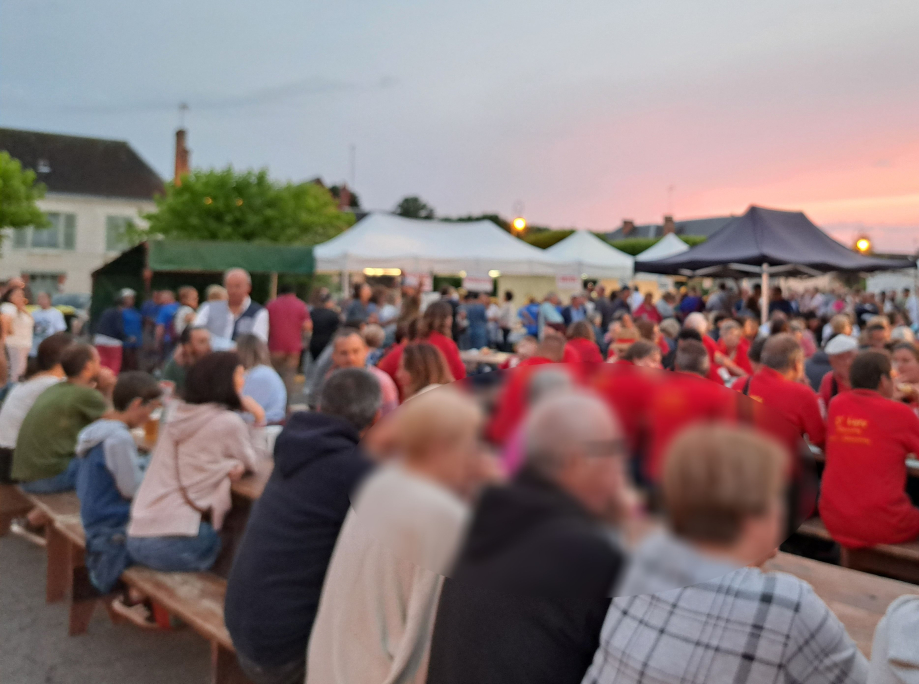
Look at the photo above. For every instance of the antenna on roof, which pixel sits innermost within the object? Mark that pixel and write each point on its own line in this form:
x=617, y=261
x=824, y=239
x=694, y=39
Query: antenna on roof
x=183, y=108
x=670, y=189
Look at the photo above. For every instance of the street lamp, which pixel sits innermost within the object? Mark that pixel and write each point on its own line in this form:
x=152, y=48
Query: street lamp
x=519, y=224
x=863, y=245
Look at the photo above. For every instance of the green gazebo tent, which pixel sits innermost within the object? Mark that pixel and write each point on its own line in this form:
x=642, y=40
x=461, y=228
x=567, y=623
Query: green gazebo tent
x=170, y=264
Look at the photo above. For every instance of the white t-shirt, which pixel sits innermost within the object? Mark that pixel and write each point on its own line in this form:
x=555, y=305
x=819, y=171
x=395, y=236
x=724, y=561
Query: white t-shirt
x=17, y=405
x=21, y=333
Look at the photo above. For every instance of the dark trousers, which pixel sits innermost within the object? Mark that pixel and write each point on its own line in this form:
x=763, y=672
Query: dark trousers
x=289, y=673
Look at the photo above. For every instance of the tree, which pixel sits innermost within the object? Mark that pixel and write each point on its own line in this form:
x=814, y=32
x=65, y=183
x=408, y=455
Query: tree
x=414, y=207
x=231, y=205
x=18, y=195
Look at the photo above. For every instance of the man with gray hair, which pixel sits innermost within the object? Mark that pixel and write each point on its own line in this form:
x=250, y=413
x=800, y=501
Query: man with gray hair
x=274, y=587
x=527, y=597
x=236, y=315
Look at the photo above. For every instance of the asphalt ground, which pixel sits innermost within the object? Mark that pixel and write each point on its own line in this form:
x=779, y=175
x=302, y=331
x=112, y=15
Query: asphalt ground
x=35, y=648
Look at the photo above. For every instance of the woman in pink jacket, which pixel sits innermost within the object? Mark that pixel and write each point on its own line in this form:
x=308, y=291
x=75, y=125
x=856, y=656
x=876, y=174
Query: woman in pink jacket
x=204, y=446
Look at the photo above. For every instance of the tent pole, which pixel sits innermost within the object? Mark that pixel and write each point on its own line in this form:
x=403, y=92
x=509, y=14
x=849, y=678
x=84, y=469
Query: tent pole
x=273, y=287
x=764, y=304
x=345, y=285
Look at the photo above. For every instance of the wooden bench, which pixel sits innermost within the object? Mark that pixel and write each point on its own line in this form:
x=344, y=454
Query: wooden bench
x=900, y=561
x=858, y=599
x=65, y=540
x=13, y=503
x=195, y=598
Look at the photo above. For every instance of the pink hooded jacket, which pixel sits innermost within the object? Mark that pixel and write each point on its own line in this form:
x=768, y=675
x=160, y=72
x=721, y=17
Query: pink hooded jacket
x=195, y=452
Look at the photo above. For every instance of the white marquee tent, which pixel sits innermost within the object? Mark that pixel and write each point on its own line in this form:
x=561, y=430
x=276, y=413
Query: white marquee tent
x=667, y=246
x=440, y=247
x=583, y=253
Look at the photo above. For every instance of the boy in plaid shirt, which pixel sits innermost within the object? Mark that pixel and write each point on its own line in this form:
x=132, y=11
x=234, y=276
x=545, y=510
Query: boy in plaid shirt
x=694, y=608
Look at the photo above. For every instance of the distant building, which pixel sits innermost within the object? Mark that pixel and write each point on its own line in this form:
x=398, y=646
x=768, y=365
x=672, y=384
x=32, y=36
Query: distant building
x=703, y=227
x=95, y=189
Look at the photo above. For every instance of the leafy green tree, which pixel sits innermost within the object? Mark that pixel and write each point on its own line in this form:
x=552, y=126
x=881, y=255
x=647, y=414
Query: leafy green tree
x=18, y=195
x=414, y=207
x=231, y=205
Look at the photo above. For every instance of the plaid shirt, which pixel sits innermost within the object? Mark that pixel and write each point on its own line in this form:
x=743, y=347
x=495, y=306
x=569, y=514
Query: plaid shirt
x=704, y=626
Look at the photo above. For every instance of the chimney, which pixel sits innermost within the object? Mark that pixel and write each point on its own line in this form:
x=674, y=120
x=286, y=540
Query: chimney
x=669, y=226
x=628, y=227
x=344, y=198
x=181, y=157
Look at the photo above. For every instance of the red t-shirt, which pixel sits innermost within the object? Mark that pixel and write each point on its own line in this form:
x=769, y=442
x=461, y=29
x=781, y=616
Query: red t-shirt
x=863, y=499
x=826, y=388
x=711, y=347
x=586, y=351
x=649, y=312
x=740, y=355
x=390, y=362
x=512, y=401
x=628, y=390
x=680, y=400
x=286, y=316
x=794, y=402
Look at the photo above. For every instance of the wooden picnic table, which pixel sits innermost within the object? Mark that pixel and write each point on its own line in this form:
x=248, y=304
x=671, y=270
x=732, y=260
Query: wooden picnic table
x=478, y=357
x=251, y=485
x=858, y=599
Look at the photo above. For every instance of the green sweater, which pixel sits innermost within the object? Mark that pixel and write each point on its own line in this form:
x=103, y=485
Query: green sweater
x=175, y=373
x=48, y=436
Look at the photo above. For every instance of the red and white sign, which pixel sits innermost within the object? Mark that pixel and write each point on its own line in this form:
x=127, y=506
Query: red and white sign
x=478, y=283
x=568, y=282
x=425, y=281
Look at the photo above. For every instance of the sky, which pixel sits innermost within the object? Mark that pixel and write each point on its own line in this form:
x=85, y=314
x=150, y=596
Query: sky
x=583, y=112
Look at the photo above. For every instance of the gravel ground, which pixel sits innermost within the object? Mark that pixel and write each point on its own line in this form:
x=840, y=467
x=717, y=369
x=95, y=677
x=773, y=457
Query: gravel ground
x=35, y=648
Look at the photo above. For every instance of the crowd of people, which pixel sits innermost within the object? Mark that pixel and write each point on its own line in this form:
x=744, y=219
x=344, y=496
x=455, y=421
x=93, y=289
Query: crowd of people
x=473, y=536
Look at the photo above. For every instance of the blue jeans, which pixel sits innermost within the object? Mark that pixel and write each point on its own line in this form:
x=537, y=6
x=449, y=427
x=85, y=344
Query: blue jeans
x=177, y=554
x=62, y=482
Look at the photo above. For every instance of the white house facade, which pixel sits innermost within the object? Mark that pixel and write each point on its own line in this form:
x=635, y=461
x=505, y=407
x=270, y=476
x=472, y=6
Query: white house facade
x=95, y=190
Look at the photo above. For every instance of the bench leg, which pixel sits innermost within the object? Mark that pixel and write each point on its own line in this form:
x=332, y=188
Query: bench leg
x=60, y=564
x=84, y=597
x=225, y=668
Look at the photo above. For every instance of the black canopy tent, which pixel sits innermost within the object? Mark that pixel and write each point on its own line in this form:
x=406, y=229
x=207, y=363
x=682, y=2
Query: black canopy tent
x=768, y=242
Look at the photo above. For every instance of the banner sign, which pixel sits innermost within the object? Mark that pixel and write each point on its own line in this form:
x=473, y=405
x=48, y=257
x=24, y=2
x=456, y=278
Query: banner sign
x=478, y=283
x=568, y=282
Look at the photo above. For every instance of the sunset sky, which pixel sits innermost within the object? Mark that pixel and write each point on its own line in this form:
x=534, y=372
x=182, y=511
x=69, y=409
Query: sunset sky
x=584, y=111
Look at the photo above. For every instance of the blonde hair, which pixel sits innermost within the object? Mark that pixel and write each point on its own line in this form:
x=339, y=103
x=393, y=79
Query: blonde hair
x=373, y=335
x=718, y=476
x=215, y=293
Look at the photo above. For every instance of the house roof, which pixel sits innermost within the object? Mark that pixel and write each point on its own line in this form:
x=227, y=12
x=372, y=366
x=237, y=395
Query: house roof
x=82, y=166
x=703, y=227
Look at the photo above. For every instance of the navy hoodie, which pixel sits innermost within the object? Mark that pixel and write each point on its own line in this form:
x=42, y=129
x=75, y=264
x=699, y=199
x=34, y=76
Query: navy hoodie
x=276, y=580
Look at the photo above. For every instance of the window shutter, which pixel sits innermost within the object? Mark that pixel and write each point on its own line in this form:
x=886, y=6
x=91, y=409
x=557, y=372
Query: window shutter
x=70, y=231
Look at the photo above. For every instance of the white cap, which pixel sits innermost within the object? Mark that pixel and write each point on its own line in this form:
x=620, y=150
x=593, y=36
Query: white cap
x=126, y=292
x=840, y=345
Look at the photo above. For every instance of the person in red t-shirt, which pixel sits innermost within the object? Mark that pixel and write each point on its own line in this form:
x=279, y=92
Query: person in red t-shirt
x=698, y=322
x=732, y=348
x=777, y=384
x=863, y=500
x=583, y=340
x=647, y=310
x=512, y=400
x=841, y=351
x=288, y=319
x=683, y=398
x=434, y=328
